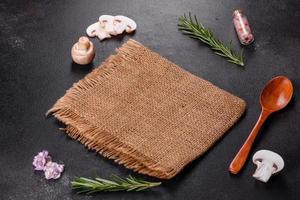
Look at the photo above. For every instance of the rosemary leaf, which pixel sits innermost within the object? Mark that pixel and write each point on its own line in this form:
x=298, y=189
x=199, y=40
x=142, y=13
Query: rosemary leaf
x=196, y=30
x=89, y=186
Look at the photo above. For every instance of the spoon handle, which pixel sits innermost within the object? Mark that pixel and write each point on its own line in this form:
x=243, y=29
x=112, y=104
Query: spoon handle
x=241, y=157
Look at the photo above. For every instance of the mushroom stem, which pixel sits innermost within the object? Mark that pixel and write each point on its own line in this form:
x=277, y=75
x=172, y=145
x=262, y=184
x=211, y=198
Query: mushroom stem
x=83, y=43
x=264, y=171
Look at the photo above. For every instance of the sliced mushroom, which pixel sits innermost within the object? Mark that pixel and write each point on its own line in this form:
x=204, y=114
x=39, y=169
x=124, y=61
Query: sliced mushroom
x=268, y=163
x=106, y=22
x=119, y=26
x=96, y=30
x=102, y=34
x=83, y=52
x=109, y=25
x=93, y=29
x=130, y=24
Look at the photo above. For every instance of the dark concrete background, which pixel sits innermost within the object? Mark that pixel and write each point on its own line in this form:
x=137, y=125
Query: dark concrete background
x=36, y=68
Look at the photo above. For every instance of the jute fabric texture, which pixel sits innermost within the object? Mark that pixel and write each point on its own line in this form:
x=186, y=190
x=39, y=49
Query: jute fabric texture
x=146, y=113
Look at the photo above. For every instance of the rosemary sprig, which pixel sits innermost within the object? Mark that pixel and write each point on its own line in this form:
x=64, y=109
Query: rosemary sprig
x=85, y=185
x=196, y=30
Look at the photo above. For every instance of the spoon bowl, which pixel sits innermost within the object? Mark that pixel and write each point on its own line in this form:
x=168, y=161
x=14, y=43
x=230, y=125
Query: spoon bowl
x=276, y=94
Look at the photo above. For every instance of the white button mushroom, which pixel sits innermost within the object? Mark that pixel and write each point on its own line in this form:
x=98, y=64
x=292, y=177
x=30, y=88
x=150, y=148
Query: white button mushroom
x=119, y=26
x=83, y=52
x=268, y=163
x=111, y=25
x=96, y=30
x=106, y=22
x=129, y=23
x=93, y=29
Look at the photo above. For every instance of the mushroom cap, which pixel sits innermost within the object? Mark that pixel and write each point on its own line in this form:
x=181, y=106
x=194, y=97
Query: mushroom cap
x=97, y=30
x=131, y=25
x=83, y=52
x=93, y=29
x=102, y=34
x=106, y=22
x=119, y=26
x=269, y=156
x=105, y=18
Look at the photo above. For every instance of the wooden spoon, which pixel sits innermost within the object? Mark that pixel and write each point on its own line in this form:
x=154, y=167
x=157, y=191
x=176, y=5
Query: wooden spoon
x=274, y=97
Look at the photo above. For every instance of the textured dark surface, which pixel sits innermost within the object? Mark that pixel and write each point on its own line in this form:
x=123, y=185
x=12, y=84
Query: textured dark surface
x=36, y=69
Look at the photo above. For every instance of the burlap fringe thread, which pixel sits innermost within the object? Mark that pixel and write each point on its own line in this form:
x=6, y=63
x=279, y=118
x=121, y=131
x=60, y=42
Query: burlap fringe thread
x=98, y=140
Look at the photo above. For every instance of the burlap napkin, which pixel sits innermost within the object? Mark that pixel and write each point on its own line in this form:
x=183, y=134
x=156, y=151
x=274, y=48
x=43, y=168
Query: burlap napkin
x=146, y=113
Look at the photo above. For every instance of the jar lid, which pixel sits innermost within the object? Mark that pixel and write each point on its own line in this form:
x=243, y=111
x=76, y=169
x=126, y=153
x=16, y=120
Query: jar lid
x=237, y=12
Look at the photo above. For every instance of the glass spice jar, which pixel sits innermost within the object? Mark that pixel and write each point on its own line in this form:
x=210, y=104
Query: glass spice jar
x=242, y=27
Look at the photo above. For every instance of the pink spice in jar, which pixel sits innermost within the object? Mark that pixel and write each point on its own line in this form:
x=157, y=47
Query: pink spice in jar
x=242, y=27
